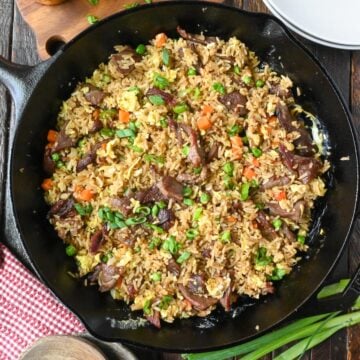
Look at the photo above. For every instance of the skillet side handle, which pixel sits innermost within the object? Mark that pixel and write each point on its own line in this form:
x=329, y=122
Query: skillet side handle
x=21, y=79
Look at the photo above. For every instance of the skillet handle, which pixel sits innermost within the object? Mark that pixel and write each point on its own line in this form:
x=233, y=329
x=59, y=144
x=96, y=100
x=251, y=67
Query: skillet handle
x=21, y=79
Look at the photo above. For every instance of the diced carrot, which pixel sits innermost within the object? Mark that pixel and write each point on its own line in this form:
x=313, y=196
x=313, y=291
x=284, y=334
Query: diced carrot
x=281, y=196
x=236, y=145
x=96, y=114
x=124, y=116
x=49, y=145
x=272, y=119
x=52, y=136
x=269, y=130
x=249, y=173
x=160, y=40
x=204, y=123
x=231, y=219
x=255, y=224
x=47, y=184
x=85, y=195
x=78, y=188
x=256, y=162
x=207, y=109
x=119, y=282
x=103, y=146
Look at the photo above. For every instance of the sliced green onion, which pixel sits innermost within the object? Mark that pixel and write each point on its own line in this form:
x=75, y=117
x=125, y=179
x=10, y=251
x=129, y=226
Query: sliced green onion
x=93, y=2
x=165, y=55
x=83, y=210
x=259, y=83
x=277, y=224
x=245, y=140
x=228, y=183
x=197, y=214
x=147, y=307
x=185, y=150
x=140, y=49
x=135, y=148
x=55, y=156
x=225, y=236
x=262, y=259
x=92, y=19
x=104, y=258
x=196, y=92
x=183, y=257
x=204, y=198
x=192, y=233
x=60, y=164
x=229, y=168
x=163, y=123
x=107, y=114
x=333, y=289
x=180, y=108
x=70, y=250
x=106, y=78
x=135, y=89
x=124, y=133
x=161, y=82
x=197, y=170
x=155, y=211
x=81, y=143
x=156, y=100
x=154, y=159
x=218, y=87
x=148, y=1
x=256, y=152
x=143, y=210
x=135, y=220
x=156, y=276
x=161, y=204
x=171, y=245
x=107, y=132
x=154, y=243
x=131, y=5
x=165, y=301
x=244, y=191
x=234, y=130
x=191, y=71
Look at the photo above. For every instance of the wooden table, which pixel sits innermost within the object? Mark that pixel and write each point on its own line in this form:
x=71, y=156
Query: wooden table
x=17, y=44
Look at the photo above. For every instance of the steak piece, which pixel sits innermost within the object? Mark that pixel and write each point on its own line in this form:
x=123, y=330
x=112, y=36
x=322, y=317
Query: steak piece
x=235, y=102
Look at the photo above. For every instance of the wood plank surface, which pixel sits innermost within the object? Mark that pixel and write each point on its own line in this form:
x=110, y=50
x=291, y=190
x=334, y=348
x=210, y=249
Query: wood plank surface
x=18, y=44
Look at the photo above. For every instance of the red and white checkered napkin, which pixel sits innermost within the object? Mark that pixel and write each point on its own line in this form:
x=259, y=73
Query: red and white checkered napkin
x=28, y=310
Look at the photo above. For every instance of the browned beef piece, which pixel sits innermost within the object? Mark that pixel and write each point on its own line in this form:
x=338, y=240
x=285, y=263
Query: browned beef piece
x=63, y=209
x=166, y=218
x=287, y=232
x=174, y=126
x=63, y=141
x=269, y=288
x=151, y=194
x=213, y=152
x=167, y=97
x=194, y=178
x=97, y=126
x=195, y=38
x=173, y=267
x=108, y=276
x=131, y=290
x=304, y=143
x=96, y=240
x=275, y=181
x=94, y=96
x=154, y=319
x=118, y=61
x=49, y=164
x=199, y=302
x=295, y=214
x=225, y=301
x=123, y=204
x=265, y=226
x=125, y=236
x=278, y=91
x=171, y=188
x=90, y=157
x=307, y=168
x=196, y=284
x=196, y=154
x=235, y=102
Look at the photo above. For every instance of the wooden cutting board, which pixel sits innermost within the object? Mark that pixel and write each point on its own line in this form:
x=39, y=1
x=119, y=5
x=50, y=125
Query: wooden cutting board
x=53, y=25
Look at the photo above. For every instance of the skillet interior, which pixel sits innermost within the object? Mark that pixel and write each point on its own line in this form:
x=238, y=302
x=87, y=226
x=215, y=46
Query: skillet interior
x=272, y=44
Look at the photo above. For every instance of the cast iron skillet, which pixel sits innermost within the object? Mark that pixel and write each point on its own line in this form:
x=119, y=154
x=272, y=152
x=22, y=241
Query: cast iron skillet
x=38, y=92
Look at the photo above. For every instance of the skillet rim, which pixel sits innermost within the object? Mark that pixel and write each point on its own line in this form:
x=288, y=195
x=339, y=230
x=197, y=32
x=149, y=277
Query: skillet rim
x=296, y=42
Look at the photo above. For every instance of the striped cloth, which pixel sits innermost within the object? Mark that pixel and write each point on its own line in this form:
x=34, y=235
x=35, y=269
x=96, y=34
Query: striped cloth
x=28, y=310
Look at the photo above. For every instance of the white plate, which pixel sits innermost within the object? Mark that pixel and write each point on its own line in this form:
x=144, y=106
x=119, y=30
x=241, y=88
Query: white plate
x=331, y=21
x=307, y=35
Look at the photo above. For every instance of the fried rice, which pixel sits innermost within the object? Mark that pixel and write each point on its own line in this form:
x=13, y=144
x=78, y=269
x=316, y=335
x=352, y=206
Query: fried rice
x=182, y=176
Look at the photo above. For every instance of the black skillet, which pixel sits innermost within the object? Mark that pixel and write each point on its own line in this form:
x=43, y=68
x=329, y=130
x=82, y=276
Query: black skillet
x=38, y=92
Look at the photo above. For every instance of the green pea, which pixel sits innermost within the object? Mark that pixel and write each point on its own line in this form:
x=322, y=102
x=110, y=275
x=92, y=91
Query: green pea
x=191, y=72
x=140, y=49
x=247, y=79
x=185, y=150
x=196, y=92
x=92, y=19
x=225, y=236
x=234, y=130
x=237, y=69
x=301, y=239
x=183, y=257
x=55, y=156
x=197, y=170
x=187, y=191
x=277, y=224
x=259, y=83
x=218, y=87
x=156, y=276
x=70, y=250
x=204, y=198
x=180, y=108
x=229, y=168
x=244, y=191
x=192, y=234
x=188, y=202
x=256, y=152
